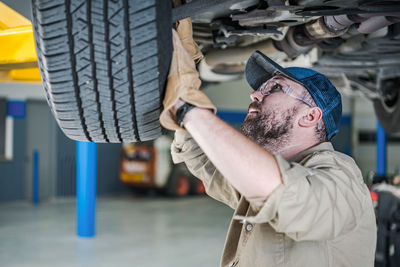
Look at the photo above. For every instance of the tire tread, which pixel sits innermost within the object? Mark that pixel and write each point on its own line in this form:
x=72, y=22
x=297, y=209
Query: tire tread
x=108, y=52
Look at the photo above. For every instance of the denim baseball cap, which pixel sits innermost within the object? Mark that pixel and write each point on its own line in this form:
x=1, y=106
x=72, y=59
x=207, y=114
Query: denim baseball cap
x=260, y=68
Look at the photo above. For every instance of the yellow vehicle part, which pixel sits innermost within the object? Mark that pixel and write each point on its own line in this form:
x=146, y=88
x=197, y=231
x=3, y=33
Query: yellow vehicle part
x=132, y=178
x=18, y=60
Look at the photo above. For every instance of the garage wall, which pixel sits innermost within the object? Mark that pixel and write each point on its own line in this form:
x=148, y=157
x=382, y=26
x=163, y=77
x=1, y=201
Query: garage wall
x=3, y=115
x=56, y=159
x=107, y=162
x=107, y=170
x=12, y=173
x=365, y=151
x=40, y=137
x=65, y=182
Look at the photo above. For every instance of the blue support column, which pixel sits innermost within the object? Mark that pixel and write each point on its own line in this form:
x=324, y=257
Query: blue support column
x=381, y=152
x=35, y=178
x=86, y=175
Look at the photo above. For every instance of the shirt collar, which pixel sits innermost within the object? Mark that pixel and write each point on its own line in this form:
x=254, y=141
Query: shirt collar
x=320, y=147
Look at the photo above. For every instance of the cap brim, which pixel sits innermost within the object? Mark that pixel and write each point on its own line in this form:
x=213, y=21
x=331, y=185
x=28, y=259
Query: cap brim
x=260, y=68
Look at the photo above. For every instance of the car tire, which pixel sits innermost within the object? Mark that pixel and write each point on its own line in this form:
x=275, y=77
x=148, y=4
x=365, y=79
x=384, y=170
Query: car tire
x=104, y=65
x=388, y=114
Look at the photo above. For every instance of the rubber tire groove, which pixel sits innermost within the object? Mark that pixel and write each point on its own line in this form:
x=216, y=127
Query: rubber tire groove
x=109, y=68
x=93, y=67
x=130, y=78
x=71, y=43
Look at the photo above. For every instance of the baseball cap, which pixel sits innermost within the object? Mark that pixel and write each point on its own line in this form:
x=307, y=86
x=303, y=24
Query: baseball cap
x=260, y=68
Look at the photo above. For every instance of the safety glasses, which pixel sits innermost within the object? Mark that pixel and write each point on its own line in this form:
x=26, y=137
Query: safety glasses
x=278, y=84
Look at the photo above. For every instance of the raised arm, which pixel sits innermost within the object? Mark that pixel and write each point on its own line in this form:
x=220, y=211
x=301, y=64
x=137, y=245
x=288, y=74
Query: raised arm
x=252, y=170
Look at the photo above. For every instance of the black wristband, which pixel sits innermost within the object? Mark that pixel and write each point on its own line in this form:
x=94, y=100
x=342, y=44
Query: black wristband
x=181, y=112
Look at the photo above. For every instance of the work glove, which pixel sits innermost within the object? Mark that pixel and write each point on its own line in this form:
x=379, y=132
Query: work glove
x=185, y=32
x=183, y=79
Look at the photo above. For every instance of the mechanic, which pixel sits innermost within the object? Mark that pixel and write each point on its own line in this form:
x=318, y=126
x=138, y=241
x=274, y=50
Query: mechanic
x=297, y=201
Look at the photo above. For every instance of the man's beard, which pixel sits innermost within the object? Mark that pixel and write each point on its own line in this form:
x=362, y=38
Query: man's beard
x=271, y=130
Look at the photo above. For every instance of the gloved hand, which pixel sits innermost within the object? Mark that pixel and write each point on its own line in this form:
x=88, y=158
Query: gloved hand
x=185, y=32
x=183, y=80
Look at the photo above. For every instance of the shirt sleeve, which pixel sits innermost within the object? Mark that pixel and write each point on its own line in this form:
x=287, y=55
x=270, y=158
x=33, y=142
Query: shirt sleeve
x=185, y=149
x=320, y=200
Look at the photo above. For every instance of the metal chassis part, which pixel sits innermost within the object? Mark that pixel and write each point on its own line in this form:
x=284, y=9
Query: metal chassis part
x=199, y=6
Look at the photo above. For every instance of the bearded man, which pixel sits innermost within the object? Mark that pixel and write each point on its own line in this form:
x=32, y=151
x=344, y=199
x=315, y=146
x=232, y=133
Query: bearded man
x=297, y=201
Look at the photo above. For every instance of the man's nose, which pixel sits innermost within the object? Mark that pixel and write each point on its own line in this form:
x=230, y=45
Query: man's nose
x=256, y=96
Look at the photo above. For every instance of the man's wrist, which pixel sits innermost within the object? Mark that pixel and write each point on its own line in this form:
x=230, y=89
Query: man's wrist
x=176, y=106
x=181, y=113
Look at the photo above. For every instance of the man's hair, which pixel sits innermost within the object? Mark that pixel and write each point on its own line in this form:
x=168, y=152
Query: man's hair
x=320, y=133
x=320, y=129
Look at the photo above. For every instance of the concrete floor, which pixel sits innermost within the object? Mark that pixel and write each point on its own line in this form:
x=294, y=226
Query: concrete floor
x=130, y=231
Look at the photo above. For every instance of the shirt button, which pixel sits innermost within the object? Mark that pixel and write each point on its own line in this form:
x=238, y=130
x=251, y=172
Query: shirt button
x=249, y=227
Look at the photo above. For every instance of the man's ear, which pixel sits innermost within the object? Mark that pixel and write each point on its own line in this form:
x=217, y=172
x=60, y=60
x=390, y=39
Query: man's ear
x=311, y=117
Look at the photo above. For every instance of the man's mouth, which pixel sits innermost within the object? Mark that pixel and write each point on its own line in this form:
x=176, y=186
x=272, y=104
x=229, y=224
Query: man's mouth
x=253, y=111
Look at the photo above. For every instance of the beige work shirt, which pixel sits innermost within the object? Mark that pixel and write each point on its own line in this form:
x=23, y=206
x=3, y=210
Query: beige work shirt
x=321, y=215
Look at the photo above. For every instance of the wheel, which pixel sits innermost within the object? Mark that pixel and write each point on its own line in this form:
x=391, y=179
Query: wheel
x=104, y=65
x=178, y=185
x=387, y=109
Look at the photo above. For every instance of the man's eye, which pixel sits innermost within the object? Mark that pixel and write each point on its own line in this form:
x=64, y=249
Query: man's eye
x=276, y=88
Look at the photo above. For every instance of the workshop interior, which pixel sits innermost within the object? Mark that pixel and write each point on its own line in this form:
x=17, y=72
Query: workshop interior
x=86, y=174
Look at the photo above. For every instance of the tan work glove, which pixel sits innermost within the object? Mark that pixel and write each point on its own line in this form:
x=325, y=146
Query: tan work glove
x=183, y=83
x=185, y=31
